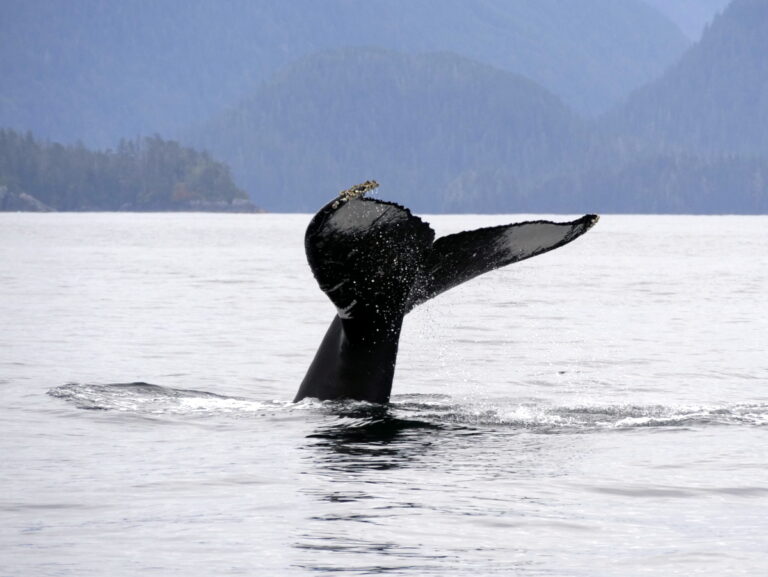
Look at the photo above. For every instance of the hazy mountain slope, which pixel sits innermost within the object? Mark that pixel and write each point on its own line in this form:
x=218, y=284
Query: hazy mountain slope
x=695, y=141
x=715, y=100
x=438, y=131
x=690, y=15
x=98, y=70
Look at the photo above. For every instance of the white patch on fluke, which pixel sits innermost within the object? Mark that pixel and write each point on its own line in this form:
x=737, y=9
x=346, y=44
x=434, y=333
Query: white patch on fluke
x=336, y=286
x=349, y=218
x=532, y=239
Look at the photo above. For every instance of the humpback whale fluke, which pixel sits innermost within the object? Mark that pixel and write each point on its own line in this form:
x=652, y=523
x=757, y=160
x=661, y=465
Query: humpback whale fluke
x=376, y=261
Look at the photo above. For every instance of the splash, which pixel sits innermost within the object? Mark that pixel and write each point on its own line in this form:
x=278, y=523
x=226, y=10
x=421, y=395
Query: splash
x=429, y=410
x=543, y=418
x=153, y=399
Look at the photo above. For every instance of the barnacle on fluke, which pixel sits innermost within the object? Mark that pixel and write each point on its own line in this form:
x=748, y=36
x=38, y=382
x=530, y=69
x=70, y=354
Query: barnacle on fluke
x=355, y=191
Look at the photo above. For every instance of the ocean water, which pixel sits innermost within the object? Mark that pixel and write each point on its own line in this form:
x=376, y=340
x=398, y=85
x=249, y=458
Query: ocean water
x=601, y=410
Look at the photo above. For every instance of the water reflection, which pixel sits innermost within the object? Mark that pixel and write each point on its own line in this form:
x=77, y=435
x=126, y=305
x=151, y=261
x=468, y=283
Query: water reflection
x=363, y=461
x=370, y=438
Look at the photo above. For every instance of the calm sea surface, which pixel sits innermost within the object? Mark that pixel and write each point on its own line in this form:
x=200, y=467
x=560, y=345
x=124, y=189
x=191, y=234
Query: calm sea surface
x=601, y=410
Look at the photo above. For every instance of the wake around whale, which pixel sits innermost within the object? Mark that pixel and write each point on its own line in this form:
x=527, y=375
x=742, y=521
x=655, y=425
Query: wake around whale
x=376, y=261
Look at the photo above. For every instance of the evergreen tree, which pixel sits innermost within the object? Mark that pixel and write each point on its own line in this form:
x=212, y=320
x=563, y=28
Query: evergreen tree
x=142, y=174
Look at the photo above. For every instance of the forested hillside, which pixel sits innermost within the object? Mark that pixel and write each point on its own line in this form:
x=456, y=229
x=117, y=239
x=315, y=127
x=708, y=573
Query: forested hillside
x=440, y=132
x=696, y=140
x=715, y=100
x=285, y=94
x=147, y=174
x=99, y=70
x=660, y=184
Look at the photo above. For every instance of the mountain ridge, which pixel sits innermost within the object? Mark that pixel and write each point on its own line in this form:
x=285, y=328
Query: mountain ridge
x=99, y=70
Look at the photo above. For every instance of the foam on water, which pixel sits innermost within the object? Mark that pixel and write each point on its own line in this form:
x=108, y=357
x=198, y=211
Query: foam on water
x=540, y=417
x=154, y=399
x=543, y=417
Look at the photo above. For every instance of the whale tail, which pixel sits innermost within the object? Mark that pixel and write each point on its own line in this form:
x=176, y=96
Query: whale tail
x=376, y=261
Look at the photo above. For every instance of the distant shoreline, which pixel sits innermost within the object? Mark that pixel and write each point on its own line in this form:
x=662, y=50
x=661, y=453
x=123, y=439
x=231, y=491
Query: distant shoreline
x=24, y=202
